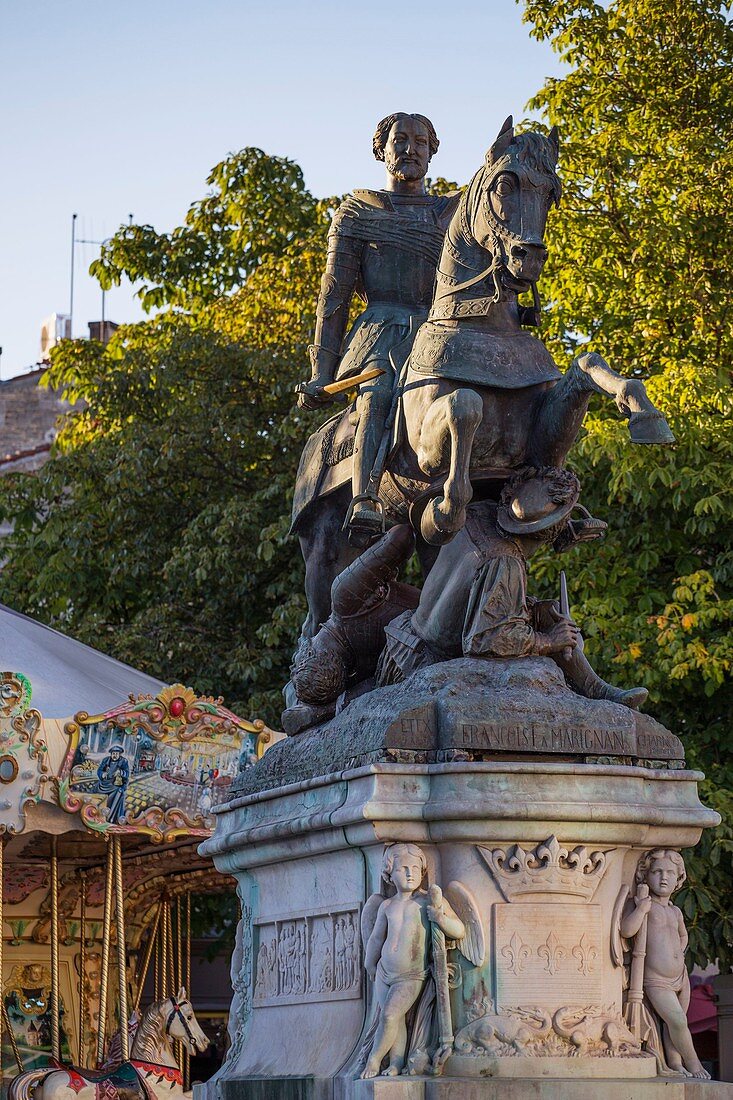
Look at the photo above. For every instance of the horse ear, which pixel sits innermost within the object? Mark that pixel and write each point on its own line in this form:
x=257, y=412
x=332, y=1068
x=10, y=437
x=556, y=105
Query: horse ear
x=504, y=139
x=181, y=995
x=554, y=139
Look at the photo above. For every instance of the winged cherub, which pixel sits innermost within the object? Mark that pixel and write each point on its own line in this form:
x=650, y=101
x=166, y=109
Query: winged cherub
x=651, y=916
x=406, y=959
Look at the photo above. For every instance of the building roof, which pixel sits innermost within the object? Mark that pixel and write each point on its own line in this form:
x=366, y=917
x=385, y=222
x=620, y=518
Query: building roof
x=66, y=676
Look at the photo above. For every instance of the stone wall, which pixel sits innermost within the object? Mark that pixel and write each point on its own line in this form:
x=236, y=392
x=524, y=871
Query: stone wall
x=29, y=415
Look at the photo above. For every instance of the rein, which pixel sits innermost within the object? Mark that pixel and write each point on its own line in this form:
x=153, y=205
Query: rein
x=176, y=1011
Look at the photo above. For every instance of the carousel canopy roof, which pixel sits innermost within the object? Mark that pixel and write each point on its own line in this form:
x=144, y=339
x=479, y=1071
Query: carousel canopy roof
x=66, y=675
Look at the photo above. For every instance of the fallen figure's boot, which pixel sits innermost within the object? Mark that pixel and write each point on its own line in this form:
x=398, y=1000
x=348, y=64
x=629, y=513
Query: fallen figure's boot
x=582, y=678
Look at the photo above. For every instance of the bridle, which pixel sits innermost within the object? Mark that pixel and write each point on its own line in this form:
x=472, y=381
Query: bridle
x=176, y=1010
x=499, y=238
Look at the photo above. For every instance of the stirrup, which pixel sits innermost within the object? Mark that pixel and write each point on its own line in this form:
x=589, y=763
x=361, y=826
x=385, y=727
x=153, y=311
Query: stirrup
x=366, y=524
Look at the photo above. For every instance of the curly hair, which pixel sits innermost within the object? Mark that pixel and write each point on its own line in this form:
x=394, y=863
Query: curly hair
x=318, y=674
x=392, y=851
x=562, y=484
x=383, y=128
x=645, y=864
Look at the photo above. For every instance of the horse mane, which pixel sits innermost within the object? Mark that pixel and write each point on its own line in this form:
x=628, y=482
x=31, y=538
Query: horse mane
x=537, y=155
x=533, y=151
x=150, y=1038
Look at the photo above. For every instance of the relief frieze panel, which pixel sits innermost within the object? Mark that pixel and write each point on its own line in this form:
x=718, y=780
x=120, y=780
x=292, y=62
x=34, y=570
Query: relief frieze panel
x=308, y=956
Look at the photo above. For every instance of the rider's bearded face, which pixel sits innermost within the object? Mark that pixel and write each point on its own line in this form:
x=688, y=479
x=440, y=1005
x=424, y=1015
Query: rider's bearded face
x=407, y=151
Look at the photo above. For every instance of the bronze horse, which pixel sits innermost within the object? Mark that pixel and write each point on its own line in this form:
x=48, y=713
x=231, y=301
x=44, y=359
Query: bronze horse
x=479, y=397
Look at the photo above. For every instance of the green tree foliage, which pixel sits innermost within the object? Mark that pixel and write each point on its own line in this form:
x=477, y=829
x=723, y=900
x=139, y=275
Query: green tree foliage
x=257, y=209
x=159, y=531
x=641, y=264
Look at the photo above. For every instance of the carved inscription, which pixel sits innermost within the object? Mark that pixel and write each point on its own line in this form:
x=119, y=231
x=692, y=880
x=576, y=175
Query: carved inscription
x=661, y=746
x=309, y=956
x=560, y=953
x=542, y=737
x=415, y=729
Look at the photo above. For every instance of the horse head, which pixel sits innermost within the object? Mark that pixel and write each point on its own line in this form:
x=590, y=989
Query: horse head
x=180, y=1022
x=513, y=193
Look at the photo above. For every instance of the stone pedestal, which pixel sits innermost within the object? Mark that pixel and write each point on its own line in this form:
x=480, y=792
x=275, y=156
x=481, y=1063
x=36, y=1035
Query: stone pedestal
x=544, y=845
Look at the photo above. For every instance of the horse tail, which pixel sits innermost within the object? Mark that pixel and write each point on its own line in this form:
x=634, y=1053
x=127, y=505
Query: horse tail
x=23, y=1087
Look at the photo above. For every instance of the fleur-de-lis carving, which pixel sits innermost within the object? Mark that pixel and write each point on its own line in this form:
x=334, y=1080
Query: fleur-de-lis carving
x=552, y=952
x=586, y=954
x=516, y=953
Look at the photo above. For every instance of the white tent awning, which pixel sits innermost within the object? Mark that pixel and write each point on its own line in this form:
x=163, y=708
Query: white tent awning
x=66, y=676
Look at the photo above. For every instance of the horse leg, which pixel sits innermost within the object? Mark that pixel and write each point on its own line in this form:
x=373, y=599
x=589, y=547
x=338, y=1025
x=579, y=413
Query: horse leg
x=646, y=422
x=559, y=417
x=453, y=419
x=326, y=552
x=563, y=407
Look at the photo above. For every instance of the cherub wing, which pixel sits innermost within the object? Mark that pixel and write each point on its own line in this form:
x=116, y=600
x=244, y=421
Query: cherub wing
x=462, y=901
x=618, y=944
x=369, y=917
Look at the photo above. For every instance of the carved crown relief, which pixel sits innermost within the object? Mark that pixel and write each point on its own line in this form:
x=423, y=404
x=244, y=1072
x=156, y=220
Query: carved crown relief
x=547, y=868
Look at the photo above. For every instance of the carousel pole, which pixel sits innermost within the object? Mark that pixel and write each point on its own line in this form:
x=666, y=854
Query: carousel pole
x=179, y=944
x=13, y=1041
x=82, y=968
x=104, y=978
x=170, y=962
x=179, y=975
x=164, y=953
x=156, y=961
x=2, y=987
x=188, y=945
x=121, y=949
x=151, y=944
x=187, y=982
x=55, y=1033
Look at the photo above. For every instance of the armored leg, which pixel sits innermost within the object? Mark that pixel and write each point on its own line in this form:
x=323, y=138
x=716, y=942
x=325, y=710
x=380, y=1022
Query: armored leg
x=373, y=405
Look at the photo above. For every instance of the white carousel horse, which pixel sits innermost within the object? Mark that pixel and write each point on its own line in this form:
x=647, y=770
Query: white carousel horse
x=152, y=1071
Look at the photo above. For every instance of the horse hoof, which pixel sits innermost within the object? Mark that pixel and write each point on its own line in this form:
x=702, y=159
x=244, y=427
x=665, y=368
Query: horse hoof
x=435, y=527
x=650, y=427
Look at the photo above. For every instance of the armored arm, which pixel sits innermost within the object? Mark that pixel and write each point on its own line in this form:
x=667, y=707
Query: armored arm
x=343, y=263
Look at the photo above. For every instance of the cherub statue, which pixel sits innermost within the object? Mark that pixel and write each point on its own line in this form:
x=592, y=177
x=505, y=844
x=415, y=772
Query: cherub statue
x=405, y=956
x=660, y=943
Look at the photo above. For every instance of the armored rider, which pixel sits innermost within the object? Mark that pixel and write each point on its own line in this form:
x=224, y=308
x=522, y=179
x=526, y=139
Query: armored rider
x=384, y=246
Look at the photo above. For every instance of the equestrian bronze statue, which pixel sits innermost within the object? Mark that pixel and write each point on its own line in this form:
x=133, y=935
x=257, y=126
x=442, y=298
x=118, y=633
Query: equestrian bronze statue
x=469, y=398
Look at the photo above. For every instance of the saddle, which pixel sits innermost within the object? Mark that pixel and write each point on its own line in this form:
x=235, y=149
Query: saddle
x=125, y=1082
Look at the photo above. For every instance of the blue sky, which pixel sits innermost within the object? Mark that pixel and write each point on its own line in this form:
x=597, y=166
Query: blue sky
x=111, y=108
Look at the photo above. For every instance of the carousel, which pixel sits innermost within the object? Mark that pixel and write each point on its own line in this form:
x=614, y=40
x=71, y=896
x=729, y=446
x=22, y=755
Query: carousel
x=107, y=782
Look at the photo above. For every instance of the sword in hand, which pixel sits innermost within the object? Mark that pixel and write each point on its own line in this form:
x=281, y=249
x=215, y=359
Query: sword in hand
x=565, y=609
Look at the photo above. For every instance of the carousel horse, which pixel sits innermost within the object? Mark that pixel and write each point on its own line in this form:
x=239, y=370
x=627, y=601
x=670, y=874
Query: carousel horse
x=151, y=1073
x=479, y=397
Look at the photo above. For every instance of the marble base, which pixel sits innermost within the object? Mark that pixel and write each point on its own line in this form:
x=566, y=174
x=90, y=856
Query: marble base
x=544, y=848
x=442, y=1088
x=639, y=1067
